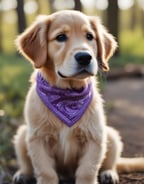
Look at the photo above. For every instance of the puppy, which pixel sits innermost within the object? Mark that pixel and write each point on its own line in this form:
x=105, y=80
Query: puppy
x=66, y=136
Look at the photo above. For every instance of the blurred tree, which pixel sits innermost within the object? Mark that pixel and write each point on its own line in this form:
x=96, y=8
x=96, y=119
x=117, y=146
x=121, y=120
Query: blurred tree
x=21, y=16
x=78, y=5
x=113, y=19
x=133, y=21
x=51, y=5
x=39, y=7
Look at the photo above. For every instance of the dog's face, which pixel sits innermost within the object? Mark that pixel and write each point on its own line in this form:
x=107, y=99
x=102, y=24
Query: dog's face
x=72, y=39
x=70, y=43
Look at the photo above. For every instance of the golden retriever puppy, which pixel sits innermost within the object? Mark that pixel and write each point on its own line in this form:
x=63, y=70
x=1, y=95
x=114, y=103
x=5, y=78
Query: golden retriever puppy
x=66, y=136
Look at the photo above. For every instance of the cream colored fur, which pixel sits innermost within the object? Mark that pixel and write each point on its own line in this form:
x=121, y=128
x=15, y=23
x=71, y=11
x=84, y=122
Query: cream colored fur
x=45, y=146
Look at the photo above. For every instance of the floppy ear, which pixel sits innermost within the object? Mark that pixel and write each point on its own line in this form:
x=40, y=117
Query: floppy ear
x=105, y=42
x=32, y=43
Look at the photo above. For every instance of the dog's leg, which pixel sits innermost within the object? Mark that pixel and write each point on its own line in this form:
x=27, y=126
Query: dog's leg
x=43, y=163
x=90, y=163
x=108, y=174
x=25, y=173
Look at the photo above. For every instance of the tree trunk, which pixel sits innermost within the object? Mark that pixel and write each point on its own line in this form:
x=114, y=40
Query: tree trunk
x=78, y=5
x=51, y=3
x=21, y=16
x=133, y=22
x=113, y=19
x=39, y=7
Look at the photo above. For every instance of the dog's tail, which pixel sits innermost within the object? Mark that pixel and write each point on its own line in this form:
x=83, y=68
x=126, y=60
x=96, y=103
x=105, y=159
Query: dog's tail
x=126, y=165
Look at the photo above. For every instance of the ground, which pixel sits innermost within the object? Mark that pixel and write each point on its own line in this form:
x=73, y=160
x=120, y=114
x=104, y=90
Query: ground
x=125, y=103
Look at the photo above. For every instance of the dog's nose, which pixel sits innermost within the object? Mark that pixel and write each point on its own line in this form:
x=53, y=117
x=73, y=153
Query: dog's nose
x=83, y=58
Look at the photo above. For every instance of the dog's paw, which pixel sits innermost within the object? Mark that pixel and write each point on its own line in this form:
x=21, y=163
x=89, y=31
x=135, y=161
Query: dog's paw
x=108, y=177
x=20, y=178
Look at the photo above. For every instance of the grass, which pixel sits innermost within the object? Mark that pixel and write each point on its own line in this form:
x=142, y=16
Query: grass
x=14, y=76
x=132, y=42
x=123, y=60
x=131, y=47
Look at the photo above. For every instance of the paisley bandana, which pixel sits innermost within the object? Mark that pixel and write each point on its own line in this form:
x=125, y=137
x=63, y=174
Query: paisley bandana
x=67, y=104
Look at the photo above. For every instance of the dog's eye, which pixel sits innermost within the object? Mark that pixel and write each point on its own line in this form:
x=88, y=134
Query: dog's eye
x=89, y=36
x=61, y=38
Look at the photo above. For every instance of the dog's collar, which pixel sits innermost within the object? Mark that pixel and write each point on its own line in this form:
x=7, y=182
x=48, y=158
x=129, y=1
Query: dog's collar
x=67, y=104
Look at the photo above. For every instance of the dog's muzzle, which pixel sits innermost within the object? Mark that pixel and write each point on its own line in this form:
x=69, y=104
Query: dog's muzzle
x=85, y=66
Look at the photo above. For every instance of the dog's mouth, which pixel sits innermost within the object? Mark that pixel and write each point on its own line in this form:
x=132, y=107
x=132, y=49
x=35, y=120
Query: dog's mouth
x=81, y=74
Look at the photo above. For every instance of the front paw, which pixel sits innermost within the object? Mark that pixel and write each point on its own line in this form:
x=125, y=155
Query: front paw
x=108, y=177
x=20, y=178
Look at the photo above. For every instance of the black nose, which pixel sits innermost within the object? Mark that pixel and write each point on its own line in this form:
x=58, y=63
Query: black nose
x=83, y=58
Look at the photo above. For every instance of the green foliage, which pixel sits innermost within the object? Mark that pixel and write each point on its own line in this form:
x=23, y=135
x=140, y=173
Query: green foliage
x=131, y=49
x=123, y=60
x=6, y=136
x=132, y=42
x=14, y=76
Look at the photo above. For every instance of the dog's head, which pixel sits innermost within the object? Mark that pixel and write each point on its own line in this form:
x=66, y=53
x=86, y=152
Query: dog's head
x=69, y=44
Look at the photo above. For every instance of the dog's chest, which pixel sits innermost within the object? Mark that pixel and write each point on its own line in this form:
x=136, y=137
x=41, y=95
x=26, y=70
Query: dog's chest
x=66, y=143
x=68, y=149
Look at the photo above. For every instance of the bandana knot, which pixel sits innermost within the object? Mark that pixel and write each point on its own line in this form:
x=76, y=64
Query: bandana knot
x=67, y=104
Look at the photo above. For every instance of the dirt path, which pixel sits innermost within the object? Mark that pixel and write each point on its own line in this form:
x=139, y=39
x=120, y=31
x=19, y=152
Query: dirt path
x=125, y=99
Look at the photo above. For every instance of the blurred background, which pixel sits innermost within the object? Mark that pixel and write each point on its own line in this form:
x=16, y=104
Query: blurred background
x=123, y=18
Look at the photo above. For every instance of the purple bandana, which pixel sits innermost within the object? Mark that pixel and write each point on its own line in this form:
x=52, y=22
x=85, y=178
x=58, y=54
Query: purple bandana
x=67, y=104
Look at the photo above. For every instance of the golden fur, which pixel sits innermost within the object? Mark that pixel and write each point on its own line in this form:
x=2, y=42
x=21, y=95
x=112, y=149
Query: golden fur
x=45, y=146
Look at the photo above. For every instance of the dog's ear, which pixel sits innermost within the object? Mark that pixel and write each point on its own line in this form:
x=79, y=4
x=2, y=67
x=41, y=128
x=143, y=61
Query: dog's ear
x=32, y=43
x=105, y=42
